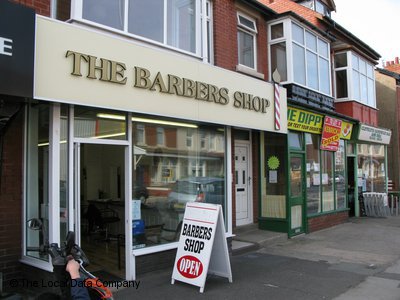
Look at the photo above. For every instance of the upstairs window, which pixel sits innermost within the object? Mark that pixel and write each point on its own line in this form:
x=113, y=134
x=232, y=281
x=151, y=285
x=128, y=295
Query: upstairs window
x=304, y=51
x=317, y=6
x=246, y=37
x=173, y=23
x=354, y=78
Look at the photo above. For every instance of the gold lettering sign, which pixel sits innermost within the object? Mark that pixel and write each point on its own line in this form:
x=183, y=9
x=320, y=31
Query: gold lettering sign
x=114, y=72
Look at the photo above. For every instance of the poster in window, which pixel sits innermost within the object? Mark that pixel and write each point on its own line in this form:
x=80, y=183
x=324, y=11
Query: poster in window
x=273, y=176
x=331, y=134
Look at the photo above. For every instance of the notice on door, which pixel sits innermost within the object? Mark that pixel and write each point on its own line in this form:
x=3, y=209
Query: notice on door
x=202, y=246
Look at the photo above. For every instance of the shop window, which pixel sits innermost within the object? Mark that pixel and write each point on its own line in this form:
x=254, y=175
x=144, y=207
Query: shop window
x=140, y=134
x=64, y=172
x=371, y=168
x=174, y=23
x=99, y=124
x=295, y=140
x=246, y=36
x=37, y=175
x=313, y=169
x=168, y=178
x=326, y=177
x=327, y=181
x=273, y=202
x=340, y=176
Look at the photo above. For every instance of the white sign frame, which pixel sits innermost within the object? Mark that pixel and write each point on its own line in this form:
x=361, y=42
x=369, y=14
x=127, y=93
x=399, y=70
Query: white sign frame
x=202, y=248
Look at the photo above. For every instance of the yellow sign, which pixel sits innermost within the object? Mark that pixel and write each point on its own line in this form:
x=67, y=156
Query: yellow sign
x=302, y=120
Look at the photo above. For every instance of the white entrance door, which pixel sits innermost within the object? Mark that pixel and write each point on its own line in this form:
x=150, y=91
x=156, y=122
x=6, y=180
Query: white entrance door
x=244, y=213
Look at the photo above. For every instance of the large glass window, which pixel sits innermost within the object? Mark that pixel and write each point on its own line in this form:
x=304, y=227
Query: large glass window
x=310, y=60
x=326, y=181
x=37, y=175
x=313, y=178
x=273, y=203
x=340, y=176
x=167, y=177
x=169, y=22
x=308, y=54
x=246, y=41
x=371, y=168
x=94, y=123
x=354, y=78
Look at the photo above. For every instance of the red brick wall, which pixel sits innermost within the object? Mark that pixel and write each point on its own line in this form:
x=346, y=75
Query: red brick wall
x=326, y=221
x=11, y=200
x=358, y=111
x=225, y=34
x=42, y=7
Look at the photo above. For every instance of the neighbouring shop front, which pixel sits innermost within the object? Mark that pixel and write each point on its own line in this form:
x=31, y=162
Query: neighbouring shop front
x=313, y=194
x=119, y=137
x=367, y=165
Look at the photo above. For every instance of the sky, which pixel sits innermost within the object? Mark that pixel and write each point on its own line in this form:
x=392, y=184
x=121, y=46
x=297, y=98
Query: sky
x=375, y=22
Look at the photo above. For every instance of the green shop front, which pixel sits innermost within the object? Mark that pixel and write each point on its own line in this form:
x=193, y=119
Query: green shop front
x=305, y=188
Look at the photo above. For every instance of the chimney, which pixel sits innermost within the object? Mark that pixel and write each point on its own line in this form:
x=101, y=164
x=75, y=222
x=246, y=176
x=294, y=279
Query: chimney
x=396, y=60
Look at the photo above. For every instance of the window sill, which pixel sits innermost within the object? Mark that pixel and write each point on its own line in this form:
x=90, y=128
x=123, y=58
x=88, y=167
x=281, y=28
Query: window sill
x=249, y=71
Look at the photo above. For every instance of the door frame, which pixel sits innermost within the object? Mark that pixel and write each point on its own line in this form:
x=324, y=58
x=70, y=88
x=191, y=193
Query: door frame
x=249, y=219
x=301, y=200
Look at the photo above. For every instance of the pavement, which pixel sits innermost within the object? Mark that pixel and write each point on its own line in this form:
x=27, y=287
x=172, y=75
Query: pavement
x=359, y=259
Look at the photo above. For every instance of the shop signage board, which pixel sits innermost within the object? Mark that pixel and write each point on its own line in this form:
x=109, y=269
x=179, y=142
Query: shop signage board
x=17, y=41
x=306, y=121
x=202, y=248
x=98, y=70
x=374, y=134
x=331, y=134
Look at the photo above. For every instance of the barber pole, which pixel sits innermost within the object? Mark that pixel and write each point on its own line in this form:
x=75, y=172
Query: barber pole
x=277, y=107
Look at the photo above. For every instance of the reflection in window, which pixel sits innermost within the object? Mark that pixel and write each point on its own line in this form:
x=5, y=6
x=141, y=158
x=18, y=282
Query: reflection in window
x=295, y=140
x=173, y=174
x=273, y=204
x=246, y=41
x=278, y=59
x=95, y=123
x=169, y=22
x=340, y=176
x=37, y=174
x=313, y=180
x=371, y=168
x=327, y=181
x=105, y=12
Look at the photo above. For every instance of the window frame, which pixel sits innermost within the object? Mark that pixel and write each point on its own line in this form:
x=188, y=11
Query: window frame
x=287, y=38
x=350, y=71
x=201, y=42
x=250, y=31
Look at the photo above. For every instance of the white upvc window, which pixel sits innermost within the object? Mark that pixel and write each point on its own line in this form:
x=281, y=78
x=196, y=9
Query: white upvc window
x=246, y=36
x=354, y=79
x=160, y=136
x=176, y=24
x=300, y=55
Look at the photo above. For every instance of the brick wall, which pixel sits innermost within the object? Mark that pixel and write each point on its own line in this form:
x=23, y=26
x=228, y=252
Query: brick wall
x=326, y=221
x=225, y=34
x=11, y=200
x=42, y=7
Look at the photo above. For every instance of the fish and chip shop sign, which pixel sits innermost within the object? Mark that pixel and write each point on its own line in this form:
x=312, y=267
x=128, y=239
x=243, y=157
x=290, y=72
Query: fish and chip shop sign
x=374, y=134
x=202, y=248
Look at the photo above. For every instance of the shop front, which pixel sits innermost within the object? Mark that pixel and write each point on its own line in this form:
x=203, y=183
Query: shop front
x=121, y=136
x=367, y=161
x=314, y=192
